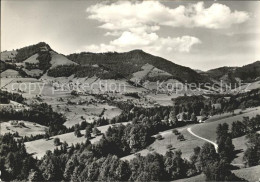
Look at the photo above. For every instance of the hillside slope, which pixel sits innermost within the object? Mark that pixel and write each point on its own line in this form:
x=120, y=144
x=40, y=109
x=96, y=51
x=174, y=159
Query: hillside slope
x=128, y=63
x=247, y=73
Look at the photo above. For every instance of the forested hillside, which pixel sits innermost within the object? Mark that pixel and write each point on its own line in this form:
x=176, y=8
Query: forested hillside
x=246, y=73
x=129, y=62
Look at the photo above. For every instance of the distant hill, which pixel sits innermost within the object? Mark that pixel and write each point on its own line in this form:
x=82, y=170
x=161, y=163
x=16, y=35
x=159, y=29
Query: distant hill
x=219, y=72
x=34, y=60
x=128, y=63
x=247, y=73
x=225, y=74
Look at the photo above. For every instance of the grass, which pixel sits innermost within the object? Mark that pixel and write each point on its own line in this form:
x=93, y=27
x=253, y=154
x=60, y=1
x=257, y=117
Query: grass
x=141, y=74
x=208, y=129
x=169, y=138
x=9, y=73
x=249, y=174
x=38, y=148
x=58, y=59
x=240, y=147
x=27, y=130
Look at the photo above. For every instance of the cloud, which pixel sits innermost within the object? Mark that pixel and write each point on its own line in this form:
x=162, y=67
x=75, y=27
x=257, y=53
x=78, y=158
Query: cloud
x=125, y=15
x=134, y=25
x=149, y=42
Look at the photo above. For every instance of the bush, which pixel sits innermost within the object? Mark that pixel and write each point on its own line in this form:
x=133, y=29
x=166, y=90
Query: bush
x=181, y=137
x=159, y=137
x=96, y=131
x=21, y=124
x=56, y=141
x=77, y=133
x=175, y=131
x=169, y=146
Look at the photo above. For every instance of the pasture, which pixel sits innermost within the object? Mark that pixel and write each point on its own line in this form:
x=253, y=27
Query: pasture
x=25, y=129
x=38, y=148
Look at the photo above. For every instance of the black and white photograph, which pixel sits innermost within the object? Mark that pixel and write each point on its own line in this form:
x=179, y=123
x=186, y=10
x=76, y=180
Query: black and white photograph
x=130, y=90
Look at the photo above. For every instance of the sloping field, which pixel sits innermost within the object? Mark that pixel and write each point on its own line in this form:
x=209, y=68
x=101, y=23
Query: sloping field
x=208, y=130
x=39, y=147
x=160, y=146
x=247, y=87
x=9, y=73
x=33, y=59
x=251, y=174
x=112, y=112
x=33, y=72
x=141, y=74
x=58, y=59
x=28, y=129
x=157, y=72
x=7, y=55
x=205, y=130
x=240, y=147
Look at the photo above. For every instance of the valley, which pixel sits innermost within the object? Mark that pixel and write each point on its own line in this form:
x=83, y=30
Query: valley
x=132, y=108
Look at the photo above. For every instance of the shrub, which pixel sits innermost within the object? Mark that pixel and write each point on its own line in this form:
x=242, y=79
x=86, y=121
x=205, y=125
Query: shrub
x=169, y=146
x=181, y=137
x=159, y=137
x=56, y=141
x=175, y=131
x=96, y=131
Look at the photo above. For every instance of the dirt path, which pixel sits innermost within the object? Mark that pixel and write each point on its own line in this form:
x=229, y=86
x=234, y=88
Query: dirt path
x=215, y=145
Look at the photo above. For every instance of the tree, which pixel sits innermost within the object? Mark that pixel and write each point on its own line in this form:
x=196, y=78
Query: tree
x=175, y=131
x=193, y=117
x=159, y=137
x=252, y=153
x=195, y=163
x=222, y=131
x=175, y=166
x=219, y=171
x=56, y=141
x=207, y=155
x=77, y=132
x=224, y=141
x=173, y=117
x=169, y=146
x=181, y=137
x=96, y=131
x=226, y=148
x=35, y=176
x=88, y=132
x=202, y=112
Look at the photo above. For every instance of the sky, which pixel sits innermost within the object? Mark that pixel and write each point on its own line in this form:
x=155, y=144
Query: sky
x=197, y=34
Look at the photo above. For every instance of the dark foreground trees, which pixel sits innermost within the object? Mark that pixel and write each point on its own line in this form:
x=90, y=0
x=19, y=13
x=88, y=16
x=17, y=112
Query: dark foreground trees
x=15, y=163
x=252, y=153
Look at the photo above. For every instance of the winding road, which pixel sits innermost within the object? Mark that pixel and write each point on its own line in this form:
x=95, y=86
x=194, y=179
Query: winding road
x=215, y=145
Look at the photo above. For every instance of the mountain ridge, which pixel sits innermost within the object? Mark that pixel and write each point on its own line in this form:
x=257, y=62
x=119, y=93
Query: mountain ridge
x=122, y=65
